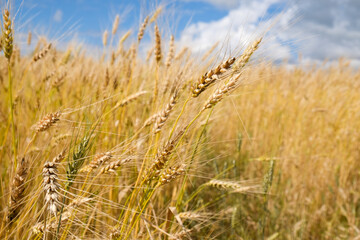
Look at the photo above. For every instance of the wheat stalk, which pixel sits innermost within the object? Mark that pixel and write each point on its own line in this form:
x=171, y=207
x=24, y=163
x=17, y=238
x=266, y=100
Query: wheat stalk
x=181, y=53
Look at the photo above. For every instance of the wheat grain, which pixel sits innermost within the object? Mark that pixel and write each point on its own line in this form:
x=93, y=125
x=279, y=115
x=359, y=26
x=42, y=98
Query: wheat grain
x=171, y=173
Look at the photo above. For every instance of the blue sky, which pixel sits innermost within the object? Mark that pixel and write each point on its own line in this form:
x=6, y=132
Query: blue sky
x=319, y=30
x=89, y=18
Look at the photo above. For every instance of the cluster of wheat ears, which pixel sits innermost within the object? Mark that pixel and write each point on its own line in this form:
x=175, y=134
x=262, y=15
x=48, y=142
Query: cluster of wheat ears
x=117, y=166
x=132, y=147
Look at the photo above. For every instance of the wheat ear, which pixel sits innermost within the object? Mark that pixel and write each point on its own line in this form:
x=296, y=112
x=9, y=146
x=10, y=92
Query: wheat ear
x=165, y=113
x=105, y=38
x=171, y=52
x=157, y=51
x=98, y=160
x=163, y=154
x=245, y=57
x=51, y=186
x=17, y=190
x=150, y=120
x=156, y=14
x=229, y=185
x=111, y=167
x=115, y=25
x=7, y=37
x=131, y=98
x=29, y=39
x=211, y=76
x=59, y=157
x=142, y=29
x=48, y=121
x=42, y=53
x=219, y=93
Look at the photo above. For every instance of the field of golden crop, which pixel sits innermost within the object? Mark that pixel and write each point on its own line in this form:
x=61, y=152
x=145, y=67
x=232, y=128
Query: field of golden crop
x=174, y=146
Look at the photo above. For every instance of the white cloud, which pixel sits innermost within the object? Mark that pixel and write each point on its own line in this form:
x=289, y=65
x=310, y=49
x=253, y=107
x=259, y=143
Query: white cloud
x=220, y=3
x=321, y=29
x=58, y=15
x=238, y=28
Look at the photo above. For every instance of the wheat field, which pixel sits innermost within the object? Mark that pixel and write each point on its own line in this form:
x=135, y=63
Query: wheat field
x=173, y=146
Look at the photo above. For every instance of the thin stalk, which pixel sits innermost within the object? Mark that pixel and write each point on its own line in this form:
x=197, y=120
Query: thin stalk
x=178, y=118
x=142, y=210
x=181, y=195
x=12, y=115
